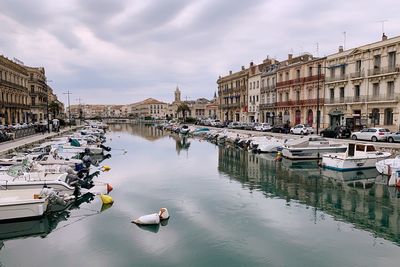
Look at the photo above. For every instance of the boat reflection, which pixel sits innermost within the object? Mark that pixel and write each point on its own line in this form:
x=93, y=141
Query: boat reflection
x=354, y=197
x=43, y=226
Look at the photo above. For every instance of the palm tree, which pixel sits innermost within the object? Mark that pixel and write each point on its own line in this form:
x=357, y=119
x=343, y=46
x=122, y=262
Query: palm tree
x=183, y=108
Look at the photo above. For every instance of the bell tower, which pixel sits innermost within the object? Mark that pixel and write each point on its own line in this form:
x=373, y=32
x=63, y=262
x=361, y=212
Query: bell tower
x=177, y=95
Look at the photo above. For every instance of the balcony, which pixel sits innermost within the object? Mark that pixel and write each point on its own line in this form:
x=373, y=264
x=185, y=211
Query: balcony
x=361, y=99
x=357, y=74
x=268, y=88
x=335, y=78
x=313, y=78
x=267, y=106
x=384, y=70
x=304, y=102
x=231, y=105
x=12, y=85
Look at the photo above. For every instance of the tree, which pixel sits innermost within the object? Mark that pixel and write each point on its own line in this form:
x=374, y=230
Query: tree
x=54, y=108
x=183, y=108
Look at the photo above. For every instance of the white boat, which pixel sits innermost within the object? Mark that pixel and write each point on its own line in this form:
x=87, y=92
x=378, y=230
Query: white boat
x=311, y=147
x=356, y=157
x=388, y=166
x=270, y=145
x=21, y=203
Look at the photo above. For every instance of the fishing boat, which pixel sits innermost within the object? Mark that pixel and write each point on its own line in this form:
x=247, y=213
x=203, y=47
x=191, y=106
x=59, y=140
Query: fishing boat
x=269, y=145
x=356, y=157
x=22, y=203
x=310, y=147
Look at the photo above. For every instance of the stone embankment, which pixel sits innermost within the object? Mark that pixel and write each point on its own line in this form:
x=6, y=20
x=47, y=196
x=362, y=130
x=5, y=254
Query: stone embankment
x=393, y=148
x=13, y=145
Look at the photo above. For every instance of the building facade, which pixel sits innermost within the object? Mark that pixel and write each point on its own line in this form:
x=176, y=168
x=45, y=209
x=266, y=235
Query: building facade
x=362, y=86
x=15, y=103
x=232, y=94
x=298, y=99
x=268, y=93
x=38, y=94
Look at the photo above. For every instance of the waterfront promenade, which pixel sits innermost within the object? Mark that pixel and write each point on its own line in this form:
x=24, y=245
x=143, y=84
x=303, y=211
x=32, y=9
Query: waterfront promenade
x=12, y=145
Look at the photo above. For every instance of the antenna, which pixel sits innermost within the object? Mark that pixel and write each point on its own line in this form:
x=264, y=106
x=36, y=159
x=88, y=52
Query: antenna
x=383, y=25
x=344, y=40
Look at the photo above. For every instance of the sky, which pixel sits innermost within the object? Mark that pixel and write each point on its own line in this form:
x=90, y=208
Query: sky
x=124, y=51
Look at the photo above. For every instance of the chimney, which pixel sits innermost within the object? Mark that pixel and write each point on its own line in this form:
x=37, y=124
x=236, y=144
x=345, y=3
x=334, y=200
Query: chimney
x=340, y=48
x=384, y=37
x=242, y=67
x=290, y=56
x=251, y=64
x=230, y=72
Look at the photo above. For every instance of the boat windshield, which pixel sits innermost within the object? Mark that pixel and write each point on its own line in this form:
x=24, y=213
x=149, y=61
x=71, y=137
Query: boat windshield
x=16, y=170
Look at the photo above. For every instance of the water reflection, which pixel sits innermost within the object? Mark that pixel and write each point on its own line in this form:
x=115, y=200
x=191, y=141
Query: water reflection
x=43, y=226
x=142, y=130
x=354, y=197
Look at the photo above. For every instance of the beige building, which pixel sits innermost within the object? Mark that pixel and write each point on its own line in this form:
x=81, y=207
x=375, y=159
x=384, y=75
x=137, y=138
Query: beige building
x=15, y=103
x=362, y=85
x=150, y=108
x=297, y=95
x=232, y=95
x=268, y=93
x=38, y=93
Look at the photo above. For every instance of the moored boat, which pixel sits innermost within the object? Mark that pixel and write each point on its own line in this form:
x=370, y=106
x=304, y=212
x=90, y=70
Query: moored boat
x=310, y=147
x=357, y=156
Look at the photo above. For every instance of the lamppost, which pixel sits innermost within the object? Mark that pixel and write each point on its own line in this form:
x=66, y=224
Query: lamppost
x=318, y=113
x=69, y=108
x=47, y=105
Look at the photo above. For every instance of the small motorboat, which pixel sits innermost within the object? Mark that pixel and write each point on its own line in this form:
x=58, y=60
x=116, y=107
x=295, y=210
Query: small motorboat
x=357, y=156
x=388, y=166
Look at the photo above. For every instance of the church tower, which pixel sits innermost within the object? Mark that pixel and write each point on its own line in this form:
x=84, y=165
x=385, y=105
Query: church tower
x=177, y=95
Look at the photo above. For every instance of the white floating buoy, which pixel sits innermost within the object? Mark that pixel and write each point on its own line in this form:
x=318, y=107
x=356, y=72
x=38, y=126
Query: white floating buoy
x=148, y=219
x=163, y=213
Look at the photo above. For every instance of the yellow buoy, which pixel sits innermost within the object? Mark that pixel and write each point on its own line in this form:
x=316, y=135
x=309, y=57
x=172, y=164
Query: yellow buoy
x=105, y=168
x=106, y=199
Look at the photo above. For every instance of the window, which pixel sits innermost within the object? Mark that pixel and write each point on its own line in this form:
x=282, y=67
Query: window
x=310, y=71
x=280, y=97
x=377, y=62
x=297, y=95
x=341, y=89
x=332, y=93
x=287, y=76
x=298, y=74
x=310, y=94
x=258, y=84
x=358, y=65
x=375, y=89
x=357, y=91
x=257, y=98
x=390, y=90
x=32, y=88
x=342, y=70
x=392, y=61
x=287, y=96
x=332, y=71
x=280, y=77
x=388, y=116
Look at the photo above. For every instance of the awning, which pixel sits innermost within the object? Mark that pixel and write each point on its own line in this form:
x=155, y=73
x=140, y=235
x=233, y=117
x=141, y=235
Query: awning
x=336, y=113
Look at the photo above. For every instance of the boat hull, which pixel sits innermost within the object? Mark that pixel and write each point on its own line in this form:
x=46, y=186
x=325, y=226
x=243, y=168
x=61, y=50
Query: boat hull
x=310, y=153
x=351, y=163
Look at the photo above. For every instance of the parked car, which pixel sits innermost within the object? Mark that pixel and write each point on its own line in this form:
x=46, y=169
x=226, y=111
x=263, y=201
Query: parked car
x=280, y=129
x=234, y=125
x=393, y=137
x=336, y=132
x=263, y=127
x=250, y=126
x=302, y=129
x=373, y=134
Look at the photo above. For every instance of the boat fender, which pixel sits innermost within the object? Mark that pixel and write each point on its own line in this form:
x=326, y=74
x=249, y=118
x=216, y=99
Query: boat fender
x=163, y=213
x=109, y=188
x=148, y=219
x=106, y=199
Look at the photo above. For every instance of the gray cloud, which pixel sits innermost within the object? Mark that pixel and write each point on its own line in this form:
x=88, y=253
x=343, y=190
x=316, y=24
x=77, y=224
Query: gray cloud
x=123, y=51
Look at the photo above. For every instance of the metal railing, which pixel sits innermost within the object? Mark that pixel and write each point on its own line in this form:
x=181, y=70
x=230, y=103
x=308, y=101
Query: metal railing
x=383, y=70
x=340, y=77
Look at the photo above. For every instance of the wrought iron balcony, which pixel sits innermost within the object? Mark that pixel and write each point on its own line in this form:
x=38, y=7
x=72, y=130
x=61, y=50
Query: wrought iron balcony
x=383, y=70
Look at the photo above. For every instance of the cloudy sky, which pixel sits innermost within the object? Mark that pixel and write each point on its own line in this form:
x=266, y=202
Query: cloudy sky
x=123, y=51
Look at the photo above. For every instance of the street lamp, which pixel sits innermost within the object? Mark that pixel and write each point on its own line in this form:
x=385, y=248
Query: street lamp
x=69, y=108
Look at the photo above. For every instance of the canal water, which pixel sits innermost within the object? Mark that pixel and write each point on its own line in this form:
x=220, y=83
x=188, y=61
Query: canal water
x=228, y=208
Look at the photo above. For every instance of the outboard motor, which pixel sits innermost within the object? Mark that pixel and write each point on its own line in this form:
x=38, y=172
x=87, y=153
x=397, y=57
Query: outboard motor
x=106, y=148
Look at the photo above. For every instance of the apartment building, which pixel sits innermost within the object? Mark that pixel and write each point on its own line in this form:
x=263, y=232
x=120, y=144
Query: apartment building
x=362, y=87
x=298, y=99
x=232, y=94
x=268, y=93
